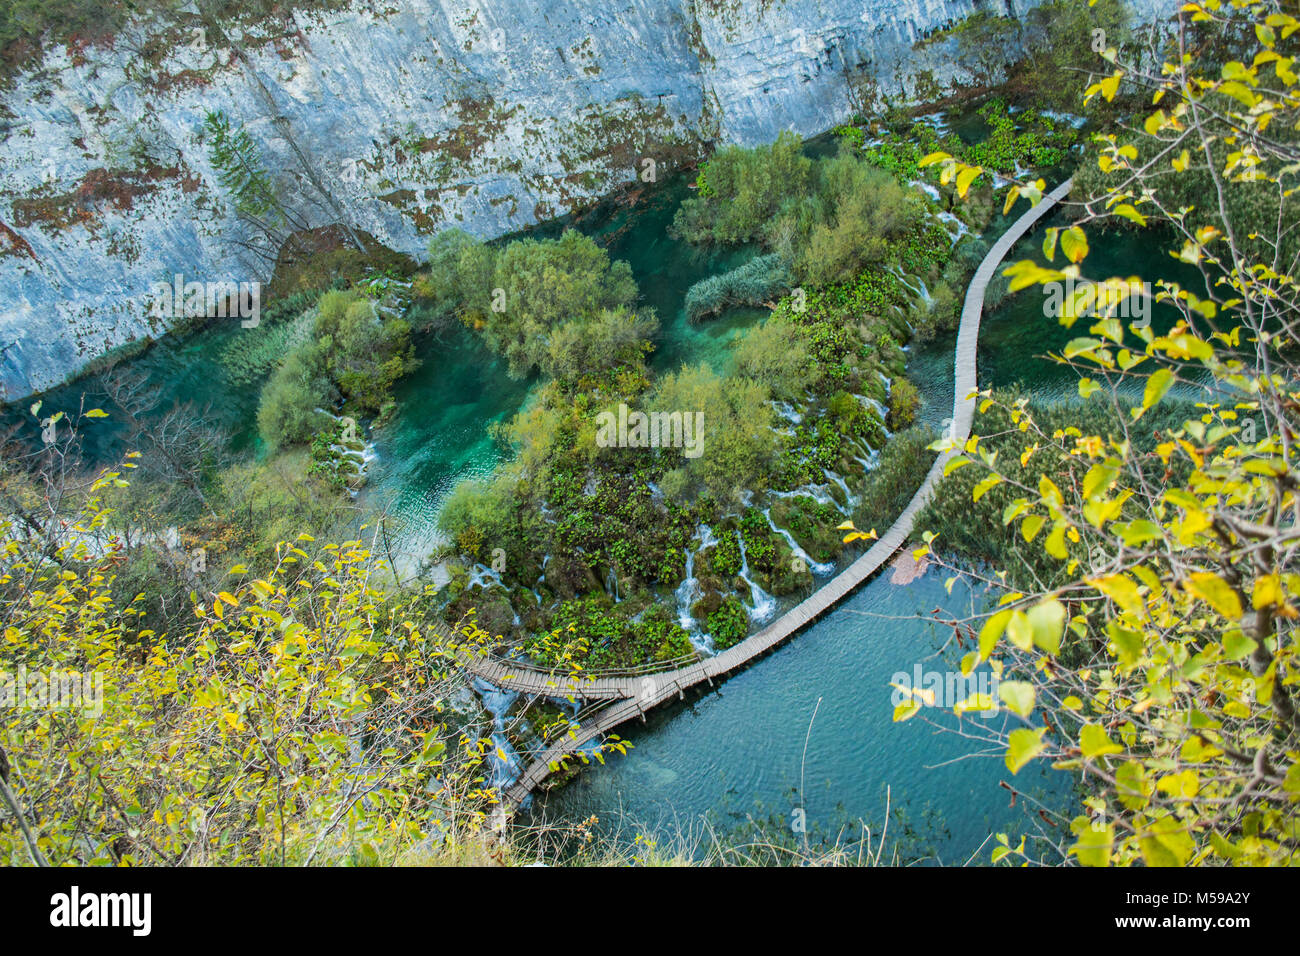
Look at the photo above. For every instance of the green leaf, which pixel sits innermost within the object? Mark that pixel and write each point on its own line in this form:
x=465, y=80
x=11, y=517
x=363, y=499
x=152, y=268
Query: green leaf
x=1097, y=479
x=1094, y=742
x=983, y=487
x=1129, y=212
x=1019, y=630
x=1049, y=242
x=991, y=631
x=1157, y=385
x=1237, y=645
x=1216, y=592
x=907, y=710
x=1126, y=645
x=1132, y=786
x=1074, y=243
x=1046, y=624
x=1166, y=843
x=1023, y=745
x=1018, y=696
x=1138, y=532
x=1093, y=846
x=1224, y=848
x=1055, y=543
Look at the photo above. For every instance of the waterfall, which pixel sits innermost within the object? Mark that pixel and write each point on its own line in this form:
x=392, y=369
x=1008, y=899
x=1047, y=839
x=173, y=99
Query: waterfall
x=919, y=290
x=952, y=220
x=815, y=492
x=788, y=412
x=850, y=499
x=688, y=592
x=764, y=605
x=926, y=188
x=816, y=567
x=482, y=574
x=502, y=761
x=874, y=405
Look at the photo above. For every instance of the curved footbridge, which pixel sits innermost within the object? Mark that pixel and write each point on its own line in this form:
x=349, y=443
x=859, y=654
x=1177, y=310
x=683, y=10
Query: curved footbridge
x=611, y=698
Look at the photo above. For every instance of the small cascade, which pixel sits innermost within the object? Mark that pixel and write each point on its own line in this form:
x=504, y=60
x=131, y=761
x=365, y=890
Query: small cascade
x=482, y=575
x=502, y=762
x=688, y=592
x=874, y=405
x=850, y=499
x=926, y=188
x=788, y=412
x=816, y=492
x=818, y=568
x=611, y=585
x=1073, y=119
x=869, y=462
x=951, y=220
x=905, y=279
x=764, y=605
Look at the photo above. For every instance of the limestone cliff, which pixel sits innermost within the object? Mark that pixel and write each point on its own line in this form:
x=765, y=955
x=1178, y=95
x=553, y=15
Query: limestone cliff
x=401, y=117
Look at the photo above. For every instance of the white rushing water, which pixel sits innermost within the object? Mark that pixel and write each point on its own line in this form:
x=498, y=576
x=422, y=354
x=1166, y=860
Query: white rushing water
x=503, y=762
x=818, y=568
x=764, y=605
x=688, y=592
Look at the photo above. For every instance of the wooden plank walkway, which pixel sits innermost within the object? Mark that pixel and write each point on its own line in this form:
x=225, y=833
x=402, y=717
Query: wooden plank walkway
x=635, y=694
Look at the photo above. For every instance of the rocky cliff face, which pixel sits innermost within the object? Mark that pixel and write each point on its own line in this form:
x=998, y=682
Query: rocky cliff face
x=402, y=117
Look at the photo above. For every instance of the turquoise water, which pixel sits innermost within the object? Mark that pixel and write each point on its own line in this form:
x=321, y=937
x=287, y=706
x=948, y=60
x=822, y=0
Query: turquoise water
x=665, y=268
x=177, y=369
x=440, y=436
x=440, y=433
x=736, y=752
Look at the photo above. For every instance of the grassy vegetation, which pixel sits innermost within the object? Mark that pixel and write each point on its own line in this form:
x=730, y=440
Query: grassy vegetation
x=758, y=281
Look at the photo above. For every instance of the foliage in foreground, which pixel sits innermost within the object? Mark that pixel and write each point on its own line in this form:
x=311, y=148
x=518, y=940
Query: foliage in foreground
x=1159, y=659
x=300, y=717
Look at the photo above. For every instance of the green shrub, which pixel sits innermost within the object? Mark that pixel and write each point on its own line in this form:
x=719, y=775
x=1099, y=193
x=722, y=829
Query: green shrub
x=776, y=353
x=352, y=353
x=366, y=353
x=726, y=559
x=904, y=400
x=292, y=400
x=757, y=281
x=729, y=624
x=743, y=191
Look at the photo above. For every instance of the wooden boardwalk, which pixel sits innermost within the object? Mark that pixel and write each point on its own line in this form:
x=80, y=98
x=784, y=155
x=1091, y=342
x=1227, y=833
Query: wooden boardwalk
x=634, y=693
